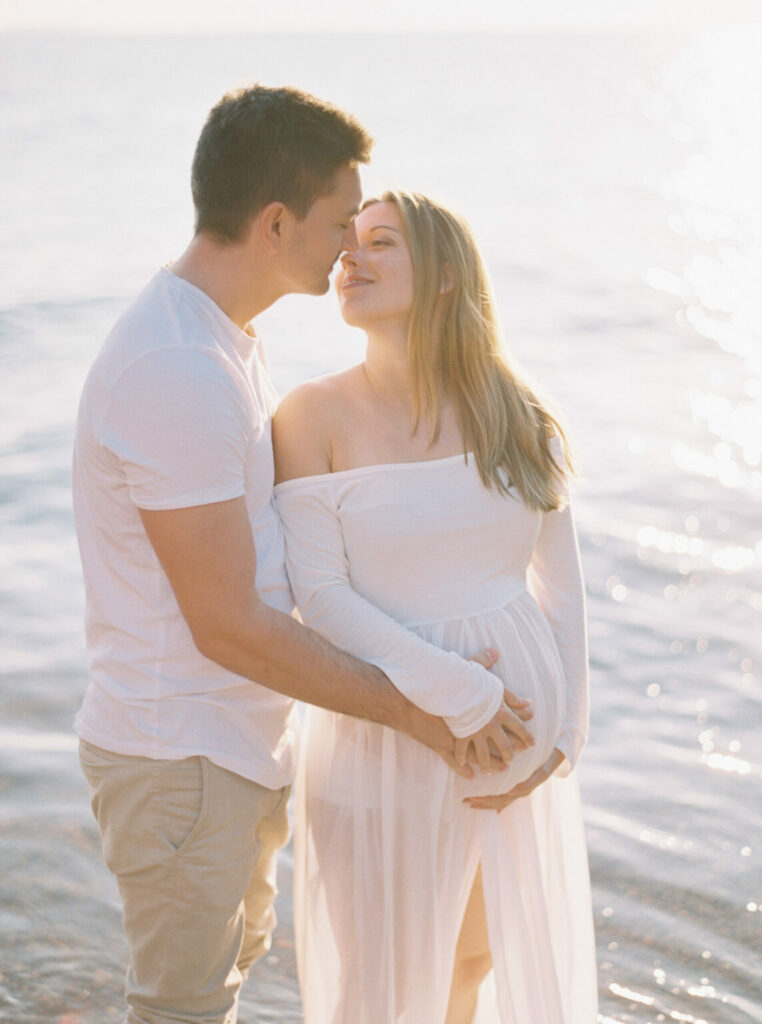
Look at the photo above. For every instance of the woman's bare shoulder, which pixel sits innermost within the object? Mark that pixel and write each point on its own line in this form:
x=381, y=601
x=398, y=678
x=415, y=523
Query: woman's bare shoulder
x=319, y=389
x=306, y=422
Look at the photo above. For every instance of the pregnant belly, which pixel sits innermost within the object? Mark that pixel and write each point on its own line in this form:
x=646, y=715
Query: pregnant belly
x=528, y=664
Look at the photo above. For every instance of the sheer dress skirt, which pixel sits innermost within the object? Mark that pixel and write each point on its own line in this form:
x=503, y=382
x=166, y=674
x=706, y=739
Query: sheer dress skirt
x=386, y=852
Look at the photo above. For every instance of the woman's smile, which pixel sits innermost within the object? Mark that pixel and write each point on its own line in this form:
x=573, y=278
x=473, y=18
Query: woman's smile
x=353, y=281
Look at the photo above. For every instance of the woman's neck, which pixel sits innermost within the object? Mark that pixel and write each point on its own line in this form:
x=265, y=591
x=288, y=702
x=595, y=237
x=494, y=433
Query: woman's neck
x=387, y=368
x=387, y=374
x=387, y=371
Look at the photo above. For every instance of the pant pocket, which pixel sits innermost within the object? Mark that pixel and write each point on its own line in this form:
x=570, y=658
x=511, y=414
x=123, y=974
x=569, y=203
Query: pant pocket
x=183, y=797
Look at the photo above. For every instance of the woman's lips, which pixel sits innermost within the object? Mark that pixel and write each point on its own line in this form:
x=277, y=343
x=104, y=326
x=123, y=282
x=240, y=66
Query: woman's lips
x=353, y=282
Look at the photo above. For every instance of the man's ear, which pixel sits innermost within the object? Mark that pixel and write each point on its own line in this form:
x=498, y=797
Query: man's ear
x=272, y=220
x=446, y=280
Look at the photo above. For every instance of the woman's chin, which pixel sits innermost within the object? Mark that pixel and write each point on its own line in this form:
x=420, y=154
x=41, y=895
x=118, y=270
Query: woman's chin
x=352, y=317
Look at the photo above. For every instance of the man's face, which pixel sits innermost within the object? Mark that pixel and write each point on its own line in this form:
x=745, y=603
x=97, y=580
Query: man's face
x=316, y=242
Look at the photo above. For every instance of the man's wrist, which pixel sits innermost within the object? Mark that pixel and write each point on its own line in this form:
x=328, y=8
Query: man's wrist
x=387, y=705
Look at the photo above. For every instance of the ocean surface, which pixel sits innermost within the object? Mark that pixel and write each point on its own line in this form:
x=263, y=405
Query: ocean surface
x=613, y=182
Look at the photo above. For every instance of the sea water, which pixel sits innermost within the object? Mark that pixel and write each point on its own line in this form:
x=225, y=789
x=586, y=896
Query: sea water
x=612, y=182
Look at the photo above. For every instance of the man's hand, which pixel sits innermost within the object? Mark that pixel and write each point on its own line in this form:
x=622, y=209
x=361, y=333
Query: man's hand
x=501, y=800
x=495, y=744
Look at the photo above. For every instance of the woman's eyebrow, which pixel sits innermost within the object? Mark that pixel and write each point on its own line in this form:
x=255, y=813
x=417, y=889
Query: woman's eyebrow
x=388, y=227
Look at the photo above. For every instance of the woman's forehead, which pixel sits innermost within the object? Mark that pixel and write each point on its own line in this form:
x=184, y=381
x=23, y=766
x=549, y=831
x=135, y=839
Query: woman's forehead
x=378, y=214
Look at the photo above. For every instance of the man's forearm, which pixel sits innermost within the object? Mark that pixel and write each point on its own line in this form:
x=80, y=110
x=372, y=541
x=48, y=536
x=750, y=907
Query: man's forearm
x=208, y=555
x=275, y=650
x=284, y=655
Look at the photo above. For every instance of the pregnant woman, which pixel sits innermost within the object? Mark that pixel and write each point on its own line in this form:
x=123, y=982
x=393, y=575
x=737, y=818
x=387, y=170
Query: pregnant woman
x=425, y=504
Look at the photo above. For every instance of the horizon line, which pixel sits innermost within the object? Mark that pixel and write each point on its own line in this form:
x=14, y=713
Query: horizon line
x=605, y=30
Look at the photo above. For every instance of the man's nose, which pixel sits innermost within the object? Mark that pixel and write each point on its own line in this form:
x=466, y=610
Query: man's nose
x=350, y=238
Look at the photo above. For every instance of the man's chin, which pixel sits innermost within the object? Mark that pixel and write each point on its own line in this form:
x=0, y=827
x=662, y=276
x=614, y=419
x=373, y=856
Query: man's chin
x=316, y=287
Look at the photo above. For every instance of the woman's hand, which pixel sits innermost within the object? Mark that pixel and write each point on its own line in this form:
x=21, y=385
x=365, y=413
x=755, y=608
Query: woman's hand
x=504, y=732
x=501, y=800
x=492, y=748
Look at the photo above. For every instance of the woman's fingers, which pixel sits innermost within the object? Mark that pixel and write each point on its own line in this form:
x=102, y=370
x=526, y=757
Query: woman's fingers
x=524, y=713
x=489, y=803
x=521, y=706
x=501, y=800
x=485, y=658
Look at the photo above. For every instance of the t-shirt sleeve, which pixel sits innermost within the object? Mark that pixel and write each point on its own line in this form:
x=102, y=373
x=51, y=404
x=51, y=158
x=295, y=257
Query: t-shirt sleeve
x=179, y=426
x=440, y=682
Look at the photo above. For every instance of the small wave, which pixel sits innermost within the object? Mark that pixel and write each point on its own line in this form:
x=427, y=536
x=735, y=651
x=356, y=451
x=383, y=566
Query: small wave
x=17, y=739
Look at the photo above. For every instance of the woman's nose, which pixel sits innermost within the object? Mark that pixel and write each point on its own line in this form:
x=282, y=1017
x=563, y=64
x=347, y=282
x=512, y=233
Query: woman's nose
x=348, y=259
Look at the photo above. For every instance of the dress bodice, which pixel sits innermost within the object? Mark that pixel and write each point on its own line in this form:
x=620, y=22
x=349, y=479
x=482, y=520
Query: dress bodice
x=379, y=555
x=427, y=541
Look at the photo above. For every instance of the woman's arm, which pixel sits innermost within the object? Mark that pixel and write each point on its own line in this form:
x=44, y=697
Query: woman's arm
x=555, y=581
x=440, y=682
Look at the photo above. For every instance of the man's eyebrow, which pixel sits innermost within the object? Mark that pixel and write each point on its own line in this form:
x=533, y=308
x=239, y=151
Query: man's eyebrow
x=387, y=227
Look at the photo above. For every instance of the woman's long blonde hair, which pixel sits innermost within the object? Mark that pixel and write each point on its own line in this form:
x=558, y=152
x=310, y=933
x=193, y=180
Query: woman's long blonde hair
x=455, y=348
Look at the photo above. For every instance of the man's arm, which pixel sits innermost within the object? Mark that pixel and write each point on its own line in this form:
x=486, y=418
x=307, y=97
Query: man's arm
x=208, y=554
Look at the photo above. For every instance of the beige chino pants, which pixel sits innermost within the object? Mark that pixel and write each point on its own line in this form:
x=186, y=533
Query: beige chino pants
x=193, y=848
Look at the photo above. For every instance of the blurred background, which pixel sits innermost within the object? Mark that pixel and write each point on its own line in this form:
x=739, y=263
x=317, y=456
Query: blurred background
x=609, y=162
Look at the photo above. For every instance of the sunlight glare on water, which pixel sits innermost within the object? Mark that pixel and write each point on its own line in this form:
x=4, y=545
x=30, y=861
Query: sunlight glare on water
x=711, y=101
x=706, y=556
x=613, y=183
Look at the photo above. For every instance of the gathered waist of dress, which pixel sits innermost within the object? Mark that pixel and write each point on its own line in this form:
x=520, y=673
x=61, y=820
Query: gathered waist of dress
x=491, y=601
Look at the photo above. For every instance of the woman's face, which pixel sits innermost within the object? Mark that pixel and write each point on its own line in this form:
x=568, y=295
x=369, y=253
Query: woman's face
x=375, y=283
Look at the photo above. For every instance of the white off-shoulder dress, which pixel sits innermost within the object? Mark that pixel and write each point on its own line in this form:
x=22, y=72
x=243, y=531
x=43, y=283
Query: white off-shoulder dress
x=414, y=567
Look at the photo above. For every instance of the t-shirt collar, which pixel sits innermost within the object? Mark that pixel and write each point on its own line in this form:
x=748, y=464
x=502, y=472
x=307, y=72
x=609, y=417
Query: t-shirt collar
x=245, y=341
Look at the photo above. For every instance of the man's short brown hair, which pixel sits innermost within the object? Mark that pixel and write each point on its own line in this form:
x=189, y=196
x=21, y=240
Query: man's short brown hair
x=262, y=145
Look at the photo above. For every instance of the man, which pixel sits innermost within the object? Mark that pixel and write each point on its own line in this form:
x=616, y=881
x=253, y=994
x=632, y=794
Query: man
x=187, y=728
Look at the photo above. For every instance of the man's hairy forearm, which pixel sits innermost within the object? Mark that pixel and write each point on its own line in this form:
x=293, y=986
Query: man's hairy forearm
x=208, y=555
x=276, y=651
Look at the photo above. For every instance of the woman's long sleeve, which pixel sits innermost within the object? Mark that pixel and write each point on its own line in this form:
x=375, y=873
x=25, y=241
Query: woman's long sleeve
x=555, y=580
x=440, y=682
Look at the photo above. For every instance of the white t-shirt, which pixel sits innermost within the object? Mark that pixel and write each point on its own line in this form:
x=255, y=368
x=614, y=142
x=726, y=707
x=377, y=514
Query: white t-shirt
x=176, y=412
